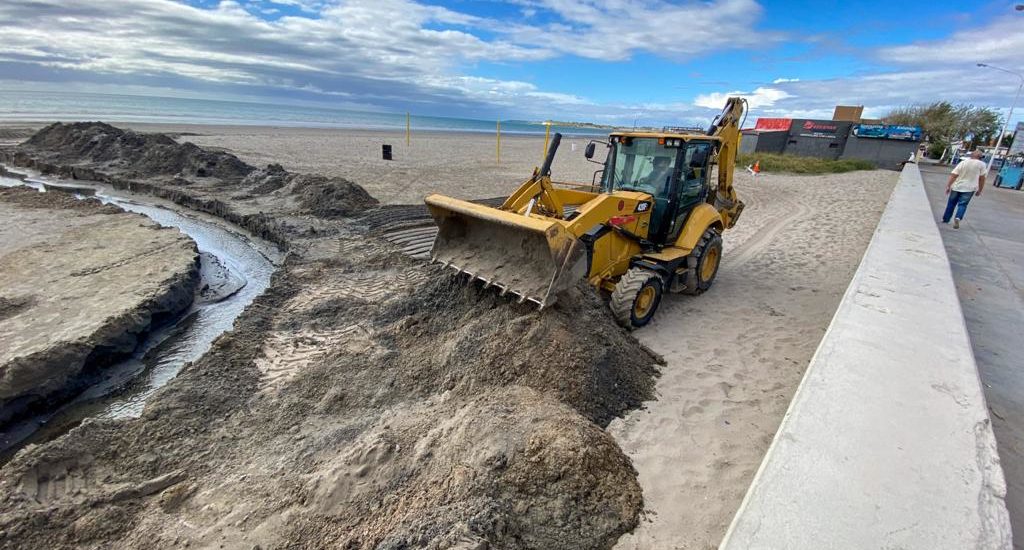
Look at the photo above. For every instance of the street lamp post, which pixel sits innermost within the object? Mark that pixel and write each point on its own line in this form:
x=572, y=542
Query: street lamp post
x=1008, y=116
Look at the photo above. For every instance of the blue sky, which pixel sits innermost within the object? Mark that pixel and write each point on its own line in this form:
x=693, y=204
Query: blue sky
x=601, y=60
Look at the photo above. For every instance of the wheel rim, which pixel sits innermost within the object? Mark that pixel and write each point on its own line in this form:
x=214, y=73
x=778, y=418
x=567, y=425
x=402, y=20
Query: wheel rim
x=644, y=302
x=707, y=270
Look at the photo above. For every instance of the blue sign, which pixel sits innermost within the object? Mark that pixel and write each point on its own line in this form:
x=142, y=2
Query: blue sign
x=888, y=131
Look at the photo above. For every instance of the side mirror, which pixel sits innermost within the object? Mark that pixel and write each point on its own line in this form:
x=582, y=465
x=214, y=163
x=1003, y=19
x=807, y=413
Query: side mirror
x=589, y=151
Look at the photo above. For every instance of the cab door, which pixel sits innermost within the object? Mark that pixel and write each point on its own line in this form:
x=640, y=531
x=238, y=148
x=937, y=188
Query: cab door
x=691, y=185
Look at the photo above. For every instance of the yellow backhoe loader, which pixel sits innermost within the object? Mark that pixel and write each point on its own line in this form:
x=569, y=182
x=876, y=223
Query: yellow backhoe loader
x=651, y=222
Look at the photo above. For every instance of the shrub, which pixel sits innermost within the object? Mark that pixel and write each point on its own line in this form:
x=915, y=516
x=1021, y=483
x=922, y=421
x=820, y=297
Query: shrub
x=802, y=165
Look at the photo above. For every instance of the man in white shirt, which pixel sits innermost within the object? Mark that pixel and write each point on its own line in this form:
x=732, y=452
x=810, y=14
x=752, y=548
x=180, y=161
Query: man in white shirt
x=966, y=181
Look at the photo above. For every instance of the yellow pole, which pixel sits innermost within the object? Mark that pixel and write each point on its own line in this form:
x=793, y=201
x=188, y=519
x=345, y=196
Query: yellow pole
x=407, y=129
x=498, y=147
x=547, y=136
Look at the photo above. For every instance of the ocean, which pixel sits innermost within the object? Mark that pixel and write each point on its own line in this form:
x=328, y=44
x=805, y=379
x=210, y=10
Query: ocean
x=69, y=106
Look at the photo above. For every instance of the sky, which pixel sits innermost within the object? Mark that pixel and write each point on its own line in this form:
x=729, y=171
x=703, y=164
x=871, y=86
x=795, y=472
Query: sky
x=607, y=61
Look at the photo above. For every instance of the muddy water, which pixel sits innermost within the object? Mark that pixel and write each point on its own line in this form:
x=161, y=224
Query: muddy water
x=235, y=268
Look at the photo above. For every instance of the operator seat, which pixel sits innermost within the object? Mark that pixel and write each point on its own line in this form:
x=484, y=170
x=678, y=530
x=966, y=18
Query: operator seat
x=660, y=182
x=692, y=186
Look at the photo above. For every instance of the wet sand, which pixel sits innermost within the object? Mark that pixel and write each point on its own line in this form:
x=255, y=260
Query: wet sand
x=82, y=282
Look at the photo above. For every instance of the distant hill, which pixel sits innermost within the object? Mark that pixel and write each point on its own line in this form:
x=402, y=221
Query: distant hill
x=567, y=124
x=577, y=124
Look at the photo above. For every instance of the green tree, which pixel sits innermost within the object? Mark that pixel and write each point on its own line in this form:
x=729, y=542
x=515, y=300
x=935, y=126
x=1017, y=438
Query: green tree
x=944, y=123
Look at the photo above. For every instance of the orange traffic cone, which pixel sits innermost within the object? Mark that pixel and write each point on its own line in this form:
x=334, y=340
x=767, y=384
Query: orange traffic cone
x=757, y=167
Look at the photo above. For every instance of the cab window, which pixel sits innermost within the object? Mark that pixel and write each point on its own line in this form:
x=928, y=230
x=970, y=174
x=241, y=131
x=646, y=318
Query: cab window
x=641, y=164
x=694, y=172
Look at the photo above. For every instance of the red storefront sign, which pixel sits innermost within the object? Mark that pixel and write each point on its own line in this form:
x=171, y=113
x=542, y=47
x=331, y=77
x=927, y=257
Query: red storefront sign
x=811, y=126
x=818, y=128
x=781, y=124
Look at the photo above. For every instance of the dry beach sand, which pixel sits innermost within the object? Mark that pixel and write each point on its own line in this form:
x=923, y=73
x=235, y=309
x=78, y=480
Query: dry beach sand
x=341, y=414
x=736, y=353
x=461, y=164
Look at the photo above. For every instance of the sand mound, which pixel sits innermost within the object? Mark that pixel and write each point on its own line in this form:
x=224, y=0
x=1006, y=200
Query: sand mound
x=95, y=150
x=331, y=197
x=327, y=198
x=392, y=410
x=509, y=468
x=267, y=180
x=147, y=154
x=475, y=338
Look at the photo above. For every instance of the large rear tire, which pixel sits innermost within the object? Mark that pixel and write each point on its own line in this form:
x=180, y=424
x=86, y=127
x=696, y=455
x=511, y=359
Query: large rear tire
x=636, y=297
x=703, y=262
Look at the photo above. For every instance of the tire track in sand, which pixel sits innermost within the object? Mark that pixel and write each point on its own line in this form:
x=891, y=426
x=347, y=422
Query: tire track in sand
x=748, y=249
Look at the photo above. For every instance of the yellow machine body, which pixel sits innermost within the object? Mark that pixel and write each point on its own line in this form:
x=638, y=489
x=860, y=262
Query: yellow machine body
x=544, y=238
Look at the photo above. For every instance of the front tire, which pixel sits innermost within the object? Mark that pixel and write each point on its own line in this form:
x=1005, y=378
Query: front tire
x=703, y=262
x=636, y=297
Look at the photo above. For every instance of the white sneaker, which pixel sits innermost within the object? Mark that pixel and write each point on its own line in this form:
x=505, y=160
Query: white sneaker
x=956, y=223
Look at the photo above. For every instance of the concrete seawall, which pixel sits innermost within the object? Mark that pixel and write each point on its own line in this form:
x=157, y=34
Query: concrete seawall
x=887, y=442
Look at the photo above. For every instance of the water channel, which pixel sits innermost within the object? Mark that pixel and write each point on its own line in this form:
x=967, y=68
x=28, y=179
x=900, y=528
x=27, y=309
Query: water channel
x=235, y=267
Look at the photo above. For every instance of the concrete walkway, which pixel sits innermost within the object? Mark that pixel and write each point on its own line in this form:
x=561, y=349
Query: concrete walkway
x=987, y=259
x=887, y=442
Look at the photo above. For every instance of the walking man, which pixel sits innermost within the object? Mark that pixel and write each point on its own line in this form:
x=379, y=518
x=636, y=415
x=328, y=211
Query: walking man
x=966, y=181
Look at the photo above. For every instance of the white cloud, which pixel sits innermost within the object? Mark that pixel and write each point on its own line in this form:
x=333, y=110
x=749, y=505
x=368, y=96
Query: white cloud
x=918, y=73
x=387, y=51
x=1000, y=41
x=392, y=53
x=350, y=47
x=616, y=29
x=760, y=97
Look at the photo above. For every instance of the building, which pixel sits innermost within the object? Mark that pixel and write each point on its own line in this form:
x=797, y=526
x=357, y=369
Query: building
x=817, y=138
x=844, y=137
x=767, y=136
x=887, y=146
x=762, y=141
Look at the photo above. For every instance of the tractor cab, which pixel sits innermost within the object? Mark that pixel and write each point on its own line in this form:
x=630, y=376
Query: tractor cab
x=672, y=168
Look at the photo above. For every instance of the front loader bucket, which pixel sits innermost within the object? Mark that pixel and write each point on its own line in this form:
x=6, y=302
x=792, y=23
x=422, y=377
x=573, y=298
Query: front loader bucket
x=531, y=257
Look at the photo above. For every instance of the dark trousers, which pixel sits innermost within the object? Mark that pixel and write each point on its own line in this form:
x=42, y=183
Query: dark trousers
x=958, y=200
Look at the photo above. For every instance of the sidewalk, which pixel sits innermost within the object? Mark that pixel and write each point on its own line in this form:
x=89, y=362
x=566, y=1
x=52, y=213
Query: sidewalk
x=987, y=259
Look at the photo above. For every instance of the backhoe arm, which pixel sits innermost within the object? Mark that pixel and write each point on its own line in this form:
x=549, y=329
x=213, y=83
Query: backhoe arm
x=537, y=194
x=727, y=127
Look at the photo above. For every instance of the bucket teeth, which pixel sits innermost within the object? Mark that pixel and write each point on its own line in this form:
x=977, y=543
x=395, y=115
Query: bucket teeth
x=488, y=283
x=520, y=297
